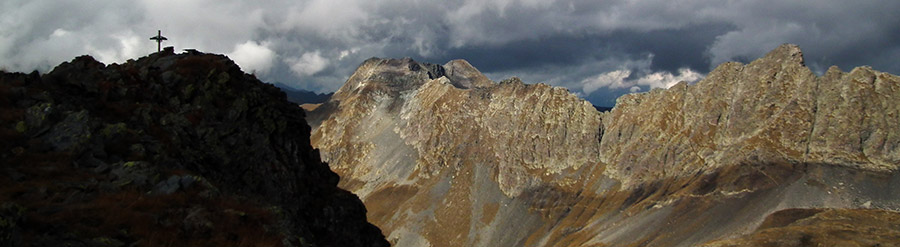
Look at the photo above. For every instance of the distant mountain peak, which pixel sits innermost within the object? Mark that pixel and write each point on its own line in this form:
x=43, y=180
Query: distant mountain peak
x=787, y=53
x=405, y=74
x=459, y=160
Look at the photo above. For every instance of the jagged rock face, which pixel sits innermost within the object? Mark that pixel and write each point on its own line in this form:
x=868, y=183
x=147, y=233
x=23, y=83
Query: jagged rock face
x=773, y=109
x=451, y=144
x=442, y=162
x=517, y=128
x=169, y=150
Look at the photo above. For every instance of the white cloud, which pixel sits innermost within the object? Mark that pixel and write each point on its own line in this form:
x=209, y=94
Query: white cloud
x=39, y=34
x=59, y=33
x=114, y=48
x=131, y=45
x=253, y=57
x=206, y=25
x=336, y=20
x=619, y=79
x=664, y=79
x=612, y=79
x=347, y=52
x=634, y=89
x=307, y=64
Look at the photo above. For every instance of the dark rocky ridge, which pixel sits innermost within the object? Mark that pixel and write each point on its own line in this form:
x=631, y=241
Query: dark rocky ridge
x=168, y=150
x=299, y=96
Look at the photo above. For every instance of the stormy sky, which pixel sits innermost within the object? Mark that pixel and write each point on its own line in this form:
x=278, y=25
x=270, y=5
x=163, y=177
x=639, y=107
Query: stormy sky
x=597, y=49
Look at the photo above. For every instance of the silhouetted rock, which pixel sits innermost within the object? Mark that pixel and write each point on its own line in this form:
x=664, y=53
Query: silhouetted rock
x=603, y=108
x=168, y=150
x=301, y=97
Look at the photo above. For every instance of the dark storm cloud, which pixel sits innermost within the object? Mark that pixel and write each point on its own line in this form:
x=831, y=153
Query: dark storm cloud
x=598, y=49
x=671, y=49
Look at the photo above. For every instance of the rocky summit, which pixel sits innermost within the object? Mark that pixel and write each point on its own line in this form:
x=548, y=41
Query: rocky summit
x=758, y=154
x=168, y=150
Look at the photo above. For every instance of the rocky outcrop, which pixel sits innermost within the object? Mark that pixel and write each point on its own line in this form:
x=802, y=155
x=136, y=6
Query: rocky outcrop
x=442, y=161
x=400, y=134
x=168, y=150
x=773, y=109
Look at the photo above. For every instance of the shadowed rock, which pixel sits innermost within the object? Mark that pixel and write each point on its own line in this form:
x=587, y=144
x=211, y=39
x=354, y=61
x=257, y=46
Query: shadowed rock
x=167, y=150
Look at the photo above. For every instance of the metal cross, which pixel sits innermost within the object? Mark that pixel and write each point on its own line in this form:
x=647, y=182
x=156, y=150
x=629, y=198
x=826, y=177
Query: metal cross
x=159, y=39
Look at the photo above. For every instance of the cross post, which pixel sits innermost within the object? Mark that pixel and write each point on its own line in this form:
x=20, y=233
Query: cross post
x=159, y=39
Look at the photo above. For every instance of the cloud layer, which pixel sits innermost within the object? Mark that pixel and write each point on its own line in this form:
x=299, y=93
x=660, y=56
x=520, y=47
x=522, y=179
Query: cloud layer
x=620, y=79
x=598, y=49
x=253, y=57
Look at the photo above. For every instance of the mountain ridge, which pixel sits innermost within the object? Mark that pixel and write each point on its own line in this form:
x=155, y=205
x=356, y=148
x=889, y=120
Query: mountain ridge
x=514, y=164
x=300, y=96
x=795, y=102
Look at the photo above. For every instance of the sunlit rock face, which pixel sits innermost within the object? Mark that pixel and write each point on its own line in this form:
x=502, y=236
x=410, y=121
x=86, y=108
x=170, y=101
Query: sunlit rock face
x=423, y=143
x=772, y=109
x=442, y=156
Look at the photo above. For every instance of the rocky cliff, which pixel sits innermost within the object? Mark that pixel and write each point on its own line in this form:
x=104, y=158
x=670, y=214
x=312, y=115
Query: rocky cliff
x=440, y=152
x=773, y=109
x=168, y=150
x=442, y=156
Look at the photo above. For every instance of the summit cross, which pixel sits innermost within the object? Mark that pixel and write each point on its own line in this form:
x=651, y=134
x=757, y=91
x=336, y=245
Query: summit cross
x=159, y=39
